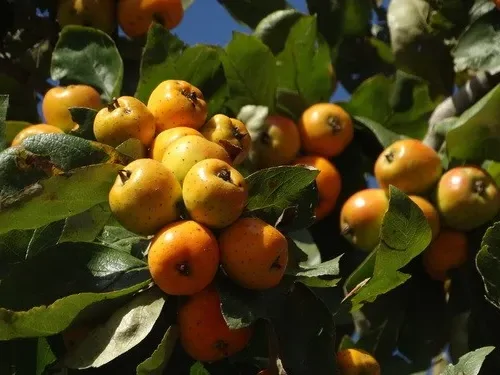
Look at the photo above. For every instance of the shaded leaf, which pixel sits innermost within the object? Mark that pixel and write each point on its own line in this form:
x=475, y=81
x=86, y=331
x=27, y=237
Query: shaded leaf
x=331, y=18
x=487, y=263
x=22, y=99
x=13, y=248
x=305, y=242
x=89, y=56
x=274, y=28
x=44, y=355
x=85, y=226
x=155, y=364
x=385, y=136
x=285, y=195
x=469, y=363
x=133, y=148
x=239, y=60
x=198, y=369
x=250, y=12
x=4, y=105
x=126, y=328
x=12, y=128
x=290, y=103
x=44, y=237
x=121, y=239
x=84, y=117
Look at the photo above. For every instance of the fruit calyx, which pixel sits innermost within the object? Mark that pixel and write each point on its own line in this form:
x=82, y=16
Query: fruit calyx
x=224, y=174
x=389, y=156
x=346, y=230
x=276, y=264
x=479, y=187
x=190, y=95
x=334, y=123
x=113, y=104
x=124, y=175
x=183, y=268
x=237, y=134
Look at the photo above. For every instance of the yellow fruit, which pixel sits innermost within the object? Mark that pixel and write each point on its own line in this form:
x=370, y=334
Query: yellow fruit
x=357, y=362
x=166, y=137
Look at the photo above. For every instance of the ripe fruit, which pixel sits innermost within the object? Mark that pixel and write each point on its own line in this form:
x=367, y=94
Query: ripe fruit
x=32, y=130
x=135, y=16
x=182, y=154
x=357, y=362
x=328, y=183
x=59, y=99
x=144, y=196
x=214, y=193
x=277, y=145
x=447, y=251
x=183, y=258
x=325, y=129
x=204, y=333
x=99, y=14
x=231, y=134
x=409, y=165
x=361, y=217
x=124, y=118
x=177, y=103
x=430, y=213
x=166, y=137
x=253, y=253
x=467, y=197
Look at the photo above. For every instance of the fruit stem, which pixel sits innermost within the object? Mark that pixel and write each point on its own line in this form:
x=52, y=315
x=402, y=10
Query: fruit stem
x=183, y=269
x=334, y=123
x=479, y=187
x=113, y=105
x=190, y=95
x=124, y=175
x=224, y=174
x=389, y=157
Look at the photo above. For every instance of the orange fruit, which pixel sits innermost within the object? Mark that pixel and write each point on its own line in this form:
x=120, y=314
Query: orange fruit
x=357, y=362
x=32, y=130
x=447, y=251
x=166, y=137
x=430, y=213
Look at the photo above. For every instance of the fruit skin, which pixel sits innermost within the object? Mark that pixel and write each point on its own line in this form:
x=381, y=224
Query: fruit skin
x=231, y=134
x=357, y=362
x=467, y=197
x=99, y=14
x=325, y=129
x=182, y=154
x=214, y=193
x=254, y=254
x=447, y=251
x=58, y=99
x=361, y=218
x=409, y=165
x=328, y=182
x=126, y=117
x=166, y=137
x=204, y=333
x=277, y=145
x=264, y=372
x=135, y=16
x=177, y=103
x=183, y=258
x=430, y=213
x=32, y=130
x=148, y=198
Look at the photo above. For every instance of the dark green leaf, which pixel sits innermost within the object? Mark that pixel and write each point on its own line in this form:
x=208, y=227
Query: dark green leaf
x=250, y=12
x=475, y=134
x=198, y=369
x=22, y=99
x=330, y=15
x=121, y=239
x=157, y=64
x=469, y=363
x=304, y=63
x=304, y=318
x=68, y=269
x=240, y=59
x=44, y=356
x=4, y=105
x=13, y=248
x=44, y=237
x=273, y=29
x=12, y=128
x=357, y=18
x=126, y=328
x=487, y=263
x=385, y=136
x=60, y=196
x=89, y=56
x=305, y=242
x=290, y=103
x=155, y=364
x=477, y=45
x=84, y=117
x=85, y=226
x=284, y=195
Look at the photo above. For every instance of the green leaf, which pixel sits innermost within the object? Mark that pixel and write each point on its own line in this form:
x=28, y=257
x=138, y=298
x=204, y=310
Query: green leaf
x=304, y=63
x=121, y=239
x=44, y=356
x=126, y=328
x=290, y=103
x=475, y=134
x=305, y=242
x=476, y=47
x=284, y=196
x=89, y=56
x=156, y=363
x=469, y=363
x=404, y=235
x=357, y=18
x=84, y=117
x=250, y=12
x=240, y=59
x=487, y=263
x=330, y=15
x=401, y=104
x=60, y=196
x=44, y=237
x=160, y=51
x=274, y=28
x=13, y=248
x=12, y=128
x=198, y=369
x=85, y=226
x=4, y=105
x=384, y=136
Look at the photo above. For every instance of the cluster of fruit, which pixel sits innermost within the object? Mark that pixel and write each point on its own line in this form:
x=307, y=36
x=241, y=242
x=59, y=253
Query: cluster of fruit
x=133, y=16
x=454, y=202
